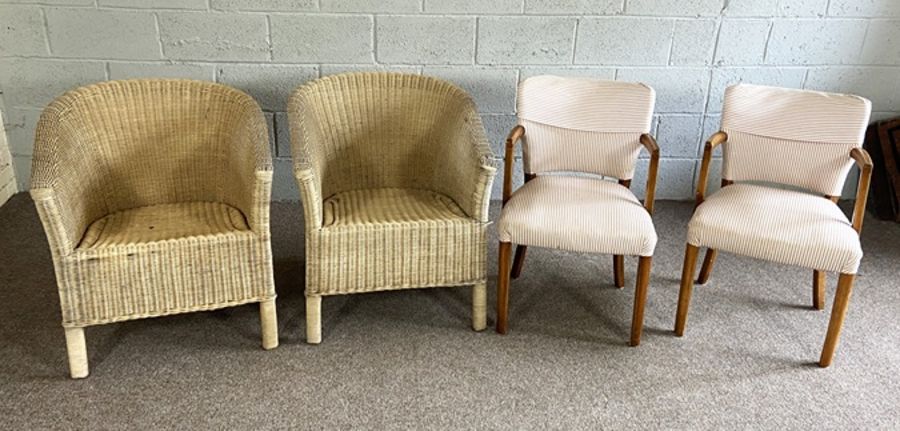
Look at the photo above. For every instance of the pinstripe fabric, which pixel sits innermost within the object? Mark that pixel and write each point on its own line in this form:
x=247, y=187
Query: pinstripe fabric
x=777, y=225
x=577, y=214
x=796, y=137
x=587, y=125
x=609, y=154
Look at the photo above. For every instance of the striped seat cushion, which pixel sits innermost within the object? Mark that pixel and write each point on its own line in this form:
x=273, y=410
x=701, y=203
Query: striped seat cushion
x=777, y=225
x=578, y=214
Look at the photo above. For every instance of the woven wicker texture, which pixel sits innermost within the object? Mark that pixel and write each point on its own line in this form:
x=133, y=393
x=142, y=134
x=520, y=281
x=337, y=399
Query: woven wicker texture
x=395, y=175
x=155, y=198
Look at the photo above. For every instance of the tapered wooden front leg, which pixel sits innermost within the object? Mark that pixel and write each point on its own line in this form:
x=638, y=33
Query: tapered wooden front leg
x=619, y=271
x=77, y=350
x=503, y=288
x=313, y=319
x=640, y=298
x=687, y=284
x=268, y=320
x=819, y=281
x=518, y=261
x=838, y=312
x=706, y=268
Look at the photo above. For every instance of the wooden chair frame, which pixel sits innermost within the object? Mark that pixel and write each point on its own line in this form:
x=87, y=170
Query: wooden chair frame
x=845, y=281
x=644, y=262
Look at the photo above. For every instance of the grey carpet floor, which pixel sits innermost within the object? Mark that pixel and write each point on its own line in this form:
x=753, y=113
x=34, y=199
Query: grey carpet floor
x=409, y=360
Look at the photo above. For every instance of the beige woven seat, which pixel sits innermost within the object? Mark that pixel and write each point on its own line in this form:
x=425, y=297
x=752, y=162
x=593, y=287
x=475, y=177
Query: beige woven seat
x=806, y=140
x=395, y=175
x=155, y=198
x=164, y=222
x=582, y=126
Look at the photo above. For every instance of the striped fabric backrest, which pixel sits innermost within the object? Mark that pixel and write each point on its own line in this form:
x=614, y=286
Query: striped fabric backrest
x=583, y=125
x=795, y=137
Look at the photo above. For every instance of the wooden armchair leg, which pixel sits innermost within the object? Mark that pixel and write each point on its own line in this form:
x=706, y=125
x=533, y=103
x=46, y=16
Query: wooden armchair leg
x=518, y=261
x=77, y=350
x=268, y=320
x=687, y=284
x=838, y=311
x=619, y=271
x=479, y=306
x=313, y=319
x=640, y=298
x=503, y=288
x=706, y=269
x=819, y=290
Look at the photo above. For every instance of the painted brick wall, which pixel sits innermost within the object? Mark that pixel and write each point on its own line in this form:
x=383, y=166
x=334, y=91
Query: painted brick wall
x=7, y=176
x=689, y=50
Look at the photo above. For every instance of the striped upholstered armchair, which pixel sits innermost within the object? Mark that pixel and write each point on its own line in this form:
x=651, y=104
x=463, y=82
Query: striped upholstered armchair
x=154, y=195
x=395, y=175
x=595, y=128
x=803, y=139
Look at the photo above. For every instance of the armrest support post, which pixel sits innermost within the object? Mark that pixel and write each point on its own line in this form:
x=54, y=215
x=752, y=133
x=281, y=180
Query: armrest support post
x=862, y=191
x=653, y=148
x=715, y=140
x=515, y=135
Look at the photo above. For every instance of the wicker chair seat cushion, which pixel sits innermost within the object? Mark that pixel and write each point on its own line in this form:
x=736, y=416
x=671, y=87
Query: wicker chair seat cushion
x=163, y=222
x=578, y=214
x=390, y=206
x=778, y=225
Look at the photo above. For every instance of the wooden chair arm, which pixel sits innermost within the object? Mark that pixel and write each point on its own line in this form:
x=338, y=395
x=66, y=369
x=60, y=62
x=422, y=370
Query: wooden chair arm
x=515, y=135
x=864, y=162
x=715, y=140
x=653, y=148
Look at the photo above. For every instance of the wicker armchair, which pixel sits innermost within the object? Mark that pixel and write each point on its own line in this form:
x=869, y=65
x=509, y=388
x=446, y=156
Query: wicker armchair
x=395, y=175
x=154, y=195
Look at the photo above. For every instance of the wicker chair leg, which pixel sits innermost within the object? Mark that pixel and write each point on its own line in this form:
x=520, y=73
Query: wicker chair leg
x=479, y=306
x=313, y=319
x=269, y=324
x=77, y=349
x=838, y=312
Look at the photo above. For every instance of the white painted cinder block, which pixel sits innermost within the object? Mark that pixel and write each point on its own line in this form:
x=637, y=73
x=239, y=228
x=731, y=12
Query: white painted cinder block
x=118, y=34
x=525, y=40
x=425, y=39
x=688, y=50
